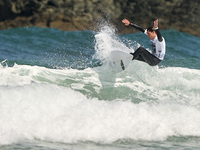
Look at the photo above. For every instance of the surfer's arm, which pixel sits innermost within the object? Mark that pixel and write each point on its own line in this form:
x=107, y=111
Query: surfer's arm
x=155, y=28
x=127, y=23
x=160, y=39
x=138, y=27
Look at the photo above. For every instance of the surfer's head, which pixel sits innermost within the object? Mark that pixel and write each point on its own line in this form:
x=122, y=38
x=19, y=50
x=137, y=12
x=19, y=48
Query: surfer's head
x=151, y=33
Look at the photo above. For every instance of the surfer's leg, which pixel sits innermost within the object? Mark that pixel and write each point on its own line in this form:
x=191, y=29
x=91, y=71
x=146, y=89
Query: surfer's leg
x=142, y=54
x=138, y=54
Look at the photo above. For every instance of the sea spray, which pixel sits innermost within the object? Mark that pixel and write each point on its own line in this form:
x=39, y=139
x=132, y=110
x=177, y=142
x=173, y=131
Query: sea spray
x=107, y=40
x=59, y=114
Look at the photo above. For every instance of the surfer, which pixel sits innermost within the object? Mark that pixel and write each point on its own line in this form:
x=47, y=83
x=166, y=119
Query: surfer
x=157, y=41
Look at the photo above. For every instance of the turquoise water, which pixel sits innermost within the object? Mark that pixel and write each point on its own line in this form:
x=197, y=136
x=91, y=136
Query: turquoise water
x=58, y=91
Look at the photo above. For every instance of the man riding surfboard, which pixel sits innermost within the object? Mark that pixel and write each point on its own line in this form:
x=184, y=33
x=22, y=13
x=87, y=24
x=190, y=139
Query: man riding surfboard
x=157, y=41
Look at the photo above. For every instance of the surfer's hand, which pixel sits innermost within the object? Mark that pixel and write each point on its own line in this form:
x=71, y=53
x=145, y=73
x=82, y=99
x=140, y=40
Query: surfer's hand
x=155, y=24
x=126, y=22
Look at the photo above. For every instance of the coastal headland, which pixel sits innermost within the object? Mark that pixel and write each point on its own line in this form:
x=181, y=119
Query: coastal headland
x=71, y=15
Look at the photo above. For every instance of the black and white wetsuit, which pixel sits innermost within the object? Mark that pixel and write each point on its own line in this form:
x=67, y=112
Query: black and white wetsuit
x=158, y=49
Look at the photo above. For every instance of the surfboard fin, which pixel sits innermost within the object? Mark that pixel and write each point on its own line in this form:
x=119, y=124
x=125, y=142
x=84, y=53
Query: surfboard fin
x=122, y=65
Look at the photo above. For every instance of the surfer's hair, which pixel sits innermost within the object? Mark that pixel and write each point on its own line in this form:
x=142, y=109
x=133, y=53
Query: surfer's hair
x=150, y=29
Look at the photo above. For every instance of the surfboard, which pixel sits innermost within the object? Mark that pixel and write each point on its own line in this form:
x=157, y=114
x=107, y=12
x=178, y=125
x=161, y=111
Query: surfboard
x=121, y=60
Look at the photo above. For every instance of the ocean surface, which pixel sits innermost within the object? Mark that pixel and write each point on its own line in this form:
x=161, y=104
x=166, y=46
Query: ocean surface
x=59, y=91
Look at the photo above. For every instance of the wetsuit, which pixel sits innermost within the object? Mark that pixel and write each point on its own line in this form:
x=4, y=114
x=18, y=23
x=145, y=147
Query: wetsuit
x=158, y=49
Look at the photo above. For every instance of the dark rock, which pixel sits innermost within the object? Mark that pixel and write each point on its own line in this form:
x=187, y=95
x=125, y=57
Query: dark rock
x=182, y=15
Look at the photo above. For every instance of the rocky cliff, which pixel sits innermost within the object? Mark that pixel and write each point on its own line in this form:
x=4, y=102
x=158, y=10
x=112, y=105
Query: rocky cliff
x=182, y=15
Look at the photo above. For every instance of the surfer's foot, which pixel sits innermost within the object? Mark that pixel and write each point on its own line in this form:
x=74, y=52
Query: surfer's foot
x=133, y=55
